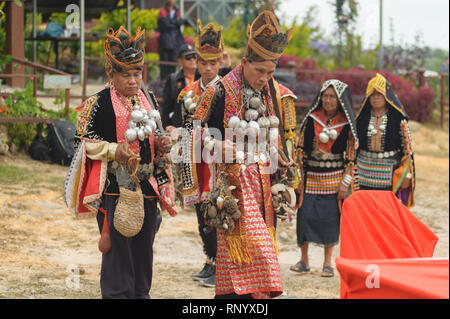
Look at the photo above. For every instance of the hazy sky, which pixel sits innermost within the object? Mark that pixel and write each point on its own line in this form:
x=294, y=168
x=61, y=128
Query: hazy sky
x=409, y=17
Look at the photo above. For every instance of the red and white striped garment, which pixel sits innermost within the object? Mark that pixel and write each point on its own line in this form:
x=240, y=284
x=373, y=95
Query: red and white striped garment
x=261, y=277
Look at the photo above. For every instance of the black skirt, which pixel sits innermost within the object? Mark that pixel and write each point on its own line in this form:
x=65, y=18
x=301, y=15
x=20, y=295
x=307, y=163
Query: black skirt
x=318, y=220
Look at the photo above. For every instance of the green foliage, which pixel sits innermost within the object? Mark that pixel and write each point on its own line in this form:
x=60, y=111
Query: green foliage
x=146, y=19
x=299, y=44
x=59, y=17
x=21, y=103
x=234, y=36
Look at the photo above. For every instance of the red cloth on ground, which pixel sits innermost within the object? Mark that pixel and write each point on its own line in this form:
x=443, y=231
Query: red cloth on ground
x=404, y=278
x=376, y=225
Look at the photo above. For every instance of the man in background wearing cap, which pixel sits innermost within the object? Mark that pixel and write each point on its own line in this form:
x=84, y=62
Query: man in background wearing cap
x=170, y=113
x=246, y=264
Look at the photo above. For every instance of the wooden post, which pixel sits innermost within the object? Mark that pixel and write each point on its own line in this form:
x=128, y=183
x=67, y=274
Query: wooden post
x=67, y=103
x=15, y=41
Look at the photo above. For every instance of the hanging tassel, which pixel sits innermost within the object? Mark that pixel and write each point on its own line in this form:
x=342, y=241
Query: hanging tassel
x=104, y=243
x=273, y=235
x=238, y=250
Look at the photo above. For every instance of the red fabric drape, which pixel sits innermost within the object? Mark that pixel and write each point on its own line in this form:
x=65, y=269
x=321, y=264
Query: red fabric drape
x=375, y=225
x=404, y=278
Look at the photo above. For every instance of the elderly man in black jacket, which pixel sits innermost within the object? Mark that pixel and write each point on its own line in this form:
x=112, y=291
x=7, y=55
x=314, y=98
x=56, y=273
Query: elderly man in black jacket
x=171, y=38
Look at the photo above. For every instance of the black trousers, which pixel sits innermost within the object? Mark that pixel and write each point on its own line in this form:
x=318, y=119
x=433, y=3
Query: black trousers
x=208, y=235
x=127, y=268
x=168, y=55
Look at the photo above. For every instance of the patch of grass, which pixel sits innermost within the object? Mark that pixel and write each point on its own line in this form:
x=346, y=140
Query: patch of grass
x=12, y=174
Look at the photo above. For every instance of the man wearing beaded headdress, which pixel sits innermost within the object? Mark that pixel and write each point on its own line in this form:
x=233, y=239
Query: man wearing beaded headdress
x=326, y=156
x=209, y=47
x=385, y=159
x=238, y=110
x=118, y=148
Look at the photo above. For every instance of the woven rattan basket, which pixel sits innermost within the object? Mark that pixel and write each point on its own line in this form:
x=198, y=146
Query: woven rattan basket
x=129, y=214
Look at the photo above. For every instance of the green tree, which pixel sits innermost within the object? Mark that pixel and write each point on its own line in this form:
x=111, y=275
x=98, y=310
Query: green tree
x=346, y=13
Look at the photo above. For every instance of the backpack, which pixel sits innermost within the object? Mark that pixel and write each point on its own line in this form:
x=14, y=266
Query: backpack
x=38, y=149
x=60, y=140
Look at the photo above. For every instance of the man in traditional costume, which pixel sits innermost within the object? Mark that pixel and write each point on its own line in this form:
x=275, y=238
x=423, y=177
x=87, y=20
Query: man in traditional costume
x=385, y=159
x=326, y=157
x=240, y=202
x=209, y=46
x=120, y=151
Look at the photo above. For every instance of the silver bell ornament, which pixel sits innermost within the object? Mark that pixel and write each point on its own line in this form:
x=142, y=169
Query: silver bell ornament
x=255, y=102
x=154, y=114
x=141, y=134
x=132, y=124
x=264, y=122
x=332, y=134
x=261, y=109
x=131, y=134
x=323, y=137
x=274, y=121
x=251, y=115
x=243, y=124
x=234, y=122
x=137, y=116
x=152, y=125
x=147, y=130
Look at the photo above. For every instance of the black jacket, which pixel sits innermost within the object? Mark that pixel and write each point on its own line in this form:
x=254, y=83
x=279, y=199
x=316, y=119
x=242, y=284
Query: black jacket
x=169, y=29
x=170, y=113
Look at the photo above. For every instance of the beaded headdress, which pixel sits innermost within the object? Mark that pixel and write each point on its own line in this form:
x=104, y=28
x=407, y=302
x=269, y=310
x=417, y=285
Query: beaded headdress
x=124, y=52
x=209, y=43
x=380, y=84
x=266, y=42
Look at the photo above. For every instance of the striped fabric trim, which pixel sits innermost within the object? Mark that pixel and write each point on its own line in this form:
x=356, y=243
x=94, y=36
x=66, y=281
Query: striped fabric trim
x=373, y=174
x=323, y=183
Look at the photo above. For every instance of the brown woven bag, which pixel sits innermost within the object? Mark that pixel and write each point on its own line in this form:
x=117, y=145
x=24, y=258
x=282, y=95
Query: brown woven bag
x=129, y=214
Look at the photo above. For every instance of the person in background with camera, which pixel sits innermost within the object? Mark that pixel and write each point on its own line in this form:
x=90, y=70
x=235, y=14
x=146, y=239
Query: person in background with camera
x=118, y=148
x=170, y=38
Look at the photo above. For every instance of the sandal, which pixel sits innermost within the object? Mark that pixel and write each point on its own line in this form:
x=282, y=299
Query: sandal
x=327, y=271
x=300, y=267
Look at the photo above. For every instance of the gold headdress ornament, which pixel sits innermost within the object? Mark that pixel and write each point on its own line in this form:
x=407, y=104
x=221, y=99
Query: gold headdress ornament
x=266, y=42
x=123, y=51
x=380, y=84
x=209, y=43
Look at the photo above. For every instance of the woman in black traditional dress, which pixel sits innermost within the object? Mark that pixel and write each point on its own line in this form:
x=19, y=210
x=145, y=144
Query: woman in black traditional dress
x=327, y=144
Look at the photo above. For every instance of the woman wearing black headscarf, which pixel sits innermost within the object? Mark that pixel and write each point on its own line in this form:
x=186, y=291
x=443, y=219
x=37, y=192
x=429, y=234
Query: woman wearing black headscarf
x=326, y=154
x=385, y=159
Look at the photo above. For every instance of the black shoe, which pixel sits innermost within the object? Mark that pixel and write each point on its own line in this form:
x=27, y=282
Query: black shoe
x=206, y=272
x=209, y=282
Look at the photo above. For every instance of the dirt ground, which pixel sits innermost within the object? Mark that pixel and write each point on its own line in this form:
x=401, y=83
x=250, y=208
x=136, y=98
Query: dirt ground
x=43, y=247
